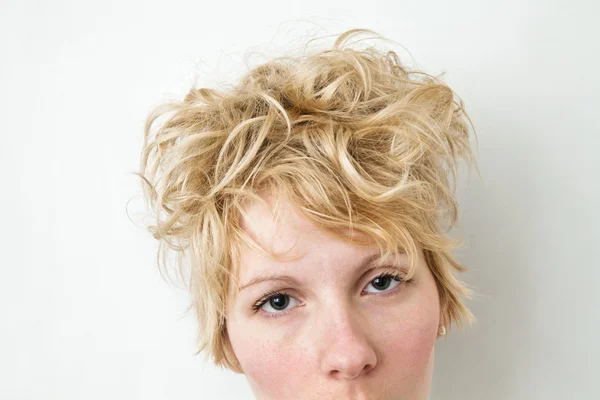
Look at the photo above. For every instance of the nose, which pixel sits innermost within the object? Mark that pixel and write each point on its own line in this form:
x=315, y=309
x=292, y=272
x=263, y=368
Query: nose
x=347, y=350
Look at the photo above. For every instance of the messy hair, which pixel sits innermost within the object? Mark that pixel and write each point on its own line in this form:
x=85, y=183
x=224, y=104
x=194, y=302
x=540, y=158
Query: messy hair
x=354, y=138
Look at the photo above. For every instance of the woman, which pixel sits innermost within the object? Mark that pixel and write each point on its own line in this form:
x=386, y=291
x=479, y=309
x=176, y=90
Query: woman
x=313, y=198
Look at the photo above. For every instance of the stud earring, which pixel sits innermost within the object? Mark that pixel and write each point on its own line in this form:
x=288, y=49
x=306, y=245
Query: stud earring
x=442, y=330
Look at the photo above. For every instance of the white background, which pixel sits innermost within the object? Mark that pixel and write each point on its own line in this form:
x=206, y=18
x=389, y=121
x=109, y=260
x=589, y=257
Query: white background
x=85, y=314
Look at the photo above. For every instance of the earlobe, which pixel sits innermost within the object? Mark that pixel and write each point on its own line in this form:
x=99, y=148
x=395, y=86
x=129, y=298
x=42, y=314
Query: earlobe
x=441, y=330
x=441, y=325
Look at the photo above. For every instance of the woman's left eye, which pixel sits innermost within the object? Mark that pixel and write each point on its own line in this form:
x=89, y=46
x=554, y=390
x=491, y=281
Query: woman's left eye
x=384, y=281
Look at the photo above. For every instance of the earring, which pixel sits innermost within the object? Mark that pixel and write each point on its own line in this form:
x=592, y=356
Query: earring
x=442, y=330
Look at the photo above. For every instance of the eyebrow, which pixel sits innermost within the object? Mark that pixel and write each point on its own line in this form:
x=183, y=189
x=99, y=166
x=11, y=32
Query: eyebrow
x=290, y=280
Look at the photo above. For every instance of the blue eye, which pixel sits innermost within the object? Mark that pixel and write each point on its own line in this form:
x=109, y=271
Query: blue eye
x=385, y=280
x=275, y=303
x=276, y=300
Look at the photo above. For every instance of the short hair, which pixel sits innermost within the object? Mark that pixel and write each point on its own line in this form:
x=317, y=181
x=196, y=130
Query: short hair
x=355, y=139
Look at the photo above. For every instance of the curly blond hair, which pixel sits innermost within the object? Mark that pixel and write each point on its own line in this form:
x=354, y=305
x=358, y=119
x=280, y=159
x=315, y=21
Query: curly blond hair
x=354, y=138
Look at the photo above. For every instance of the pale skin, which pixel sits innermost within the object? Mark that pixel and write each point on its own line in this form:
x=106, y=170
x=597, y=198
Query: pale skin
x=337, y=332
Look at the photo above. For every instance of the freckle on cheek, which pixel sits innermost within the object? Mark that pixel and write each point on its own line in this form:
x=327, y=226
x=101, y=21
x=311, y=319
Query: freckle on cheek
x=268, y=368
x=408, y=351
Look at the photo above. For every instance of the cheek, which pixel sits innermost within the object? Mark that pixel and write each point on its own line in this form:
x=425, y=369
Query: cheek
x=406, y=342
x=409, y=344
x=271, y=364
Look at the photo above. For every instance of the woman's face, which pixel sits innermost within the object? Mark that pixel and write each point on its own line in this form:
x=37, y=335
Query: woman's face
x=333, y=331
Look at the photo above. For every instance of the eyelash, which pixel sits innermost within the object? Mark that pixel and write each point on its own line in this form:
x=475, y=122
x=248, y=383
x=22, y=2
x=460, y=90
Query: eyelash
x=275, y=293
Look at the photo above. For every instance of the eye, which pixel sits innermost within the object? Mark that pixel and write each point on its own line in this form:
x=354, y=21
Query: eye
x=275, y=300
x=384, y=281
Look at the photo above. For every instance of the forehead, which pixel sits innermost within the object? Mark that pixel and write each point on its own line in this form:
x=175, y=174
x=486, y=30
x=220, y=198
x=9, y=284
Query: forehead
x=280, y=226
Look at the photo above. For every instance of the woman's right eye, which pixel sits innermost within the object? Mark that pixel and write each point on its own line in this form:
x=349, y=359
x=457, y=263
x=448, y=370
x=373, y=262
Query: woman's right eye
x=276, y=301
